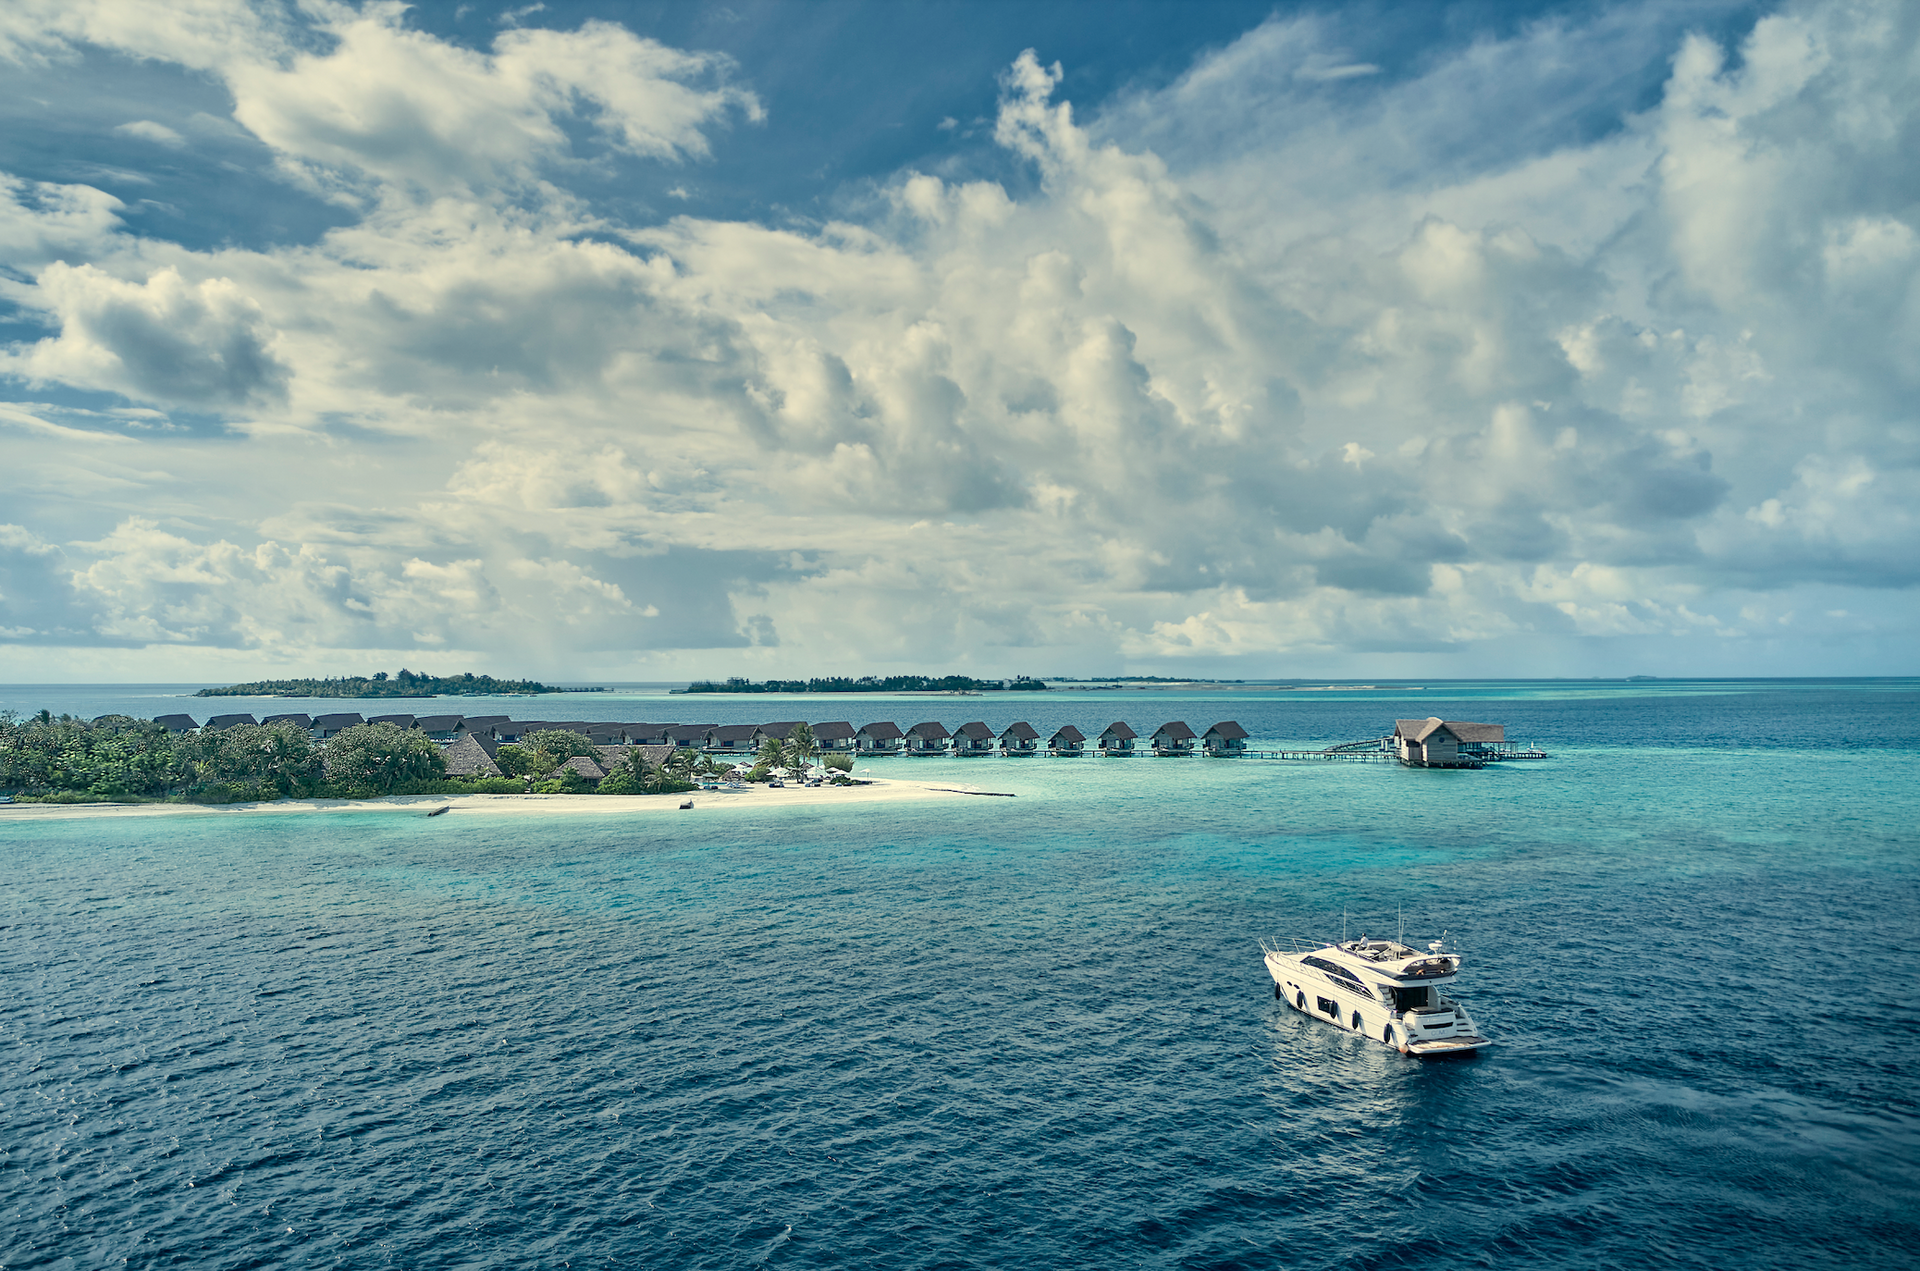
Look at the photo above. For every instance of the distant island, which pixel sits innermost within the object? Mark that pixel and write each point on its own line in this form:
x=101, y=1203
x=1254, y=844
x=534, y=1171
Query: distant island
x=1139, y=679
x=872, y=684
x=405, y=684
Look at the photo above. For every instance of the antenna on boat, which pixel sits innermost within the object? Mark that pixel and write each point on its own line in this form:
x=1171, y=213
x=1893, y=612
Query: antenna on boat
x=1400, y=916
x=1343, y=926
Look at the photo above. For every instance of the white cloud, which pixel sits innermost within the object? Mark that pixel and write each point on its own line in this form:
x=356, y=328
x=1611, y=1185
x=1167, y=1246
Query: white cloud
x=203, y=344
x=1218, y=390
x=148, y=130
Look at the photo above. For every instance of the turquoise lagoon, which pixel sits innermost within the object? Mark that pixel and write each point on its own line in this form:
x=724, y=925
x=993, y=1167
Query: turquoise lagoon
x=999, y=1032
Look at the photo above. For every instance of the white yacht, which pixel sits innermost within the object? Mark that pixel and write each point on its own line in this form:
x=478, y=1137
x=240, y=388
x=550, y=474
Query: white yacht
x=1381, y=989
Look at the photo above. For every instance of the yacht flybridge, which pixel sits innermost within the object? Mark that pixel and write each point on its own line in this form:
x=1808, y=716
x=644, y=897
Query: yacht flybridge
x=1381, y=989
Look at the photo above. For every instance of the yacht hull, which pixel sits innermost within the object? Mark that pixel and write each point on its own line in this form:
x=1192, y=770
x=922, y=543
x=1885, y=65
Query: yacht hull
x=1323, y=998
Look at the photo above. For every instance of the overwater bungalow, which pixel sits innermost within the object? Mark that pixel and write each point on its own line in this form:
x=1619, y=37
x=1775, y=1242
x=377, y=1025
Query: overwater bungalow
x=1173, y=738
x=296, y=718
x=929, y=738
x=1117, y=740
x=734, y=739
x=689, y=736
x=442, y=728
x=1067, y=743
x=1020, y=739
x=1445, y=743
x=398, y=721
x=325, y=726
x=177, y=724
x=220, y=722
x=1225, y=740
x=485, y=724
x=882, y=738
x=834, y=737
x=973, y=739
x=779, y=732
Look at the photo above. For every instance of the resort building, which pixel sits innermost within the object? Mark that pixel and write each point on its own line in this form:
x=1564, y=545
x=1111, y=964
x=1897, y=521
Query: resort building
x=689, y=736
x=881, y=738
x=398, y=721
x=325, y=726
x=485, y=724
x=929, y=738
x=1117, y=740
x=471, y=757
x=1173, y=739
x=973, y=739
x=1445, y=743
x=219, y=722
x=177, y=724
x=781, y=732
x=1020, y=739
x=442, y=728
x=1068, y=742
x=298, y=720
x=1225, y=740
x=586, y=767
x=737, y=739
x=833, y=738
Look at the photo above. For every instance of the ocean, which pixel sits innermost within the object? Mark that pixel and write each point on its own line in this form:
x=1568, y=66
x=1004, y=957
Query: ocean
x=1027, y=1032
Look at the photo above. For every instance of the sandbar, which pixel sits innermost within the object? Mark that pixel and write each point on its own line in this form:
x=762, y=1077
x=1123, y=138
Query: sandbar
x=704, y=801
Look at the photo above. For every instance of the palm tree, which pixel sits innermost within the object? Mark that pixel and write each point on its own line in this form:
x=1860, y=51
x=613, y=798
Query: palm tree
x=772, y=753
x=801, y=746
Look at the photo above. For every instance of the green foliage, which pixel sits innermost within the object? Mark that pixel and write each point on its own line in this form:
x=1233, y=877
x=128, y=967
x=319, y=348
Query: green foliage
x=634, y=775
x=773, y=754
x=761, y=771
x=249, y=762
x=376, y=759
x=837, y=762
x=405, y=684
x=801, y=748
x=568, y=782
x=557, y=745
x=518, y=761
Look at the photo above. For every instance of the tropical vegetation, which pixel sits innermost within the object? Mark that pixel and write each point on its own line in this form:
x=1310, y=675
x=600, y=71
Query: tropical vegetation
x=405, y=684
x=121, y=759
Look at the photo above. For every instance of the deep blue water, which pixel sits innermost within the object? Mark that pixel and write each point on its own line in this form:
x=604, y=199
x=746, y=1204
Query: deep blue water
x=1003, y=1032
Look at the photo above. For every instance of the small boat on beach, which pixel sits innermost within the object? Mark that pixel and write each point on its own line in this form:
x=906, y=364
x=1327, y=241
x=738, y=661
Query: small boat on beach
x=1382, y=989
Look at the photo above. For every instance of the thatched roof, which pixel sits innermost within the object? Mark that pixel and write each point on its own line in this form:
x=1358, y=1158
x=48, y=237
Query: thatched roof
x=1119, y=729
x=1022, y=731
x=932, y=730
x=1227, y=730
x=1419, y=730
x=839, y=730
x=975, y=731
x=219, y=722
x=881, y=731
x=470, y=757
x=1067, y=733
x=1175, y=731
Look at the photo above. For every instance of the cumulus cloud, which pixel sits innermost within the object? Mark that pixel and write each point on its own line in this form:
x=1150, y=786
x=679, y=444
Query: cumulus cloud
x=1213, y=389
x=163, y=340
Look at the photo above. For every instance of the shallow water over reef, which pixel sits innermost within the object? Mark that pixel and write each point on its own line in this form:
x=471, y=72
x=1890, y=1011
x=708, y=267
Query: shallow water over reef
x=1001, y=1032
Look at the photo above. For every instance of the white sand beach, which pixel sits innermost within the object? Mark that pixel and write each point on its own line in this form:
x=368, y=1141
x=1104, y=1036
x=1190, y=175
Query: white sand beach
x=704, y=801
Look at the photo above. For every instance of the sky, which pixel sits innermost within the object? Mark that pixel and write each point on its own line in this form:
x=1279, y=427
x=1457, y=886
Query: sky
x=599, y=341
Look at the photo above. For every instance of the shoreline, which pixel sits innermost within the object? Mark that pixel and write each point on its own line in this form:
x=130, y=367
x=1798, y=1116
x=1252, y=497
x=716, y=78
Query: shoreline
x=754, y=796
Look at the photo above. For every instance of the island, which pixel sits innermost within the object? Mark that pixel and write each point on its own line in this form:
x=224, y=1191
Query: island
x=405, y=684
